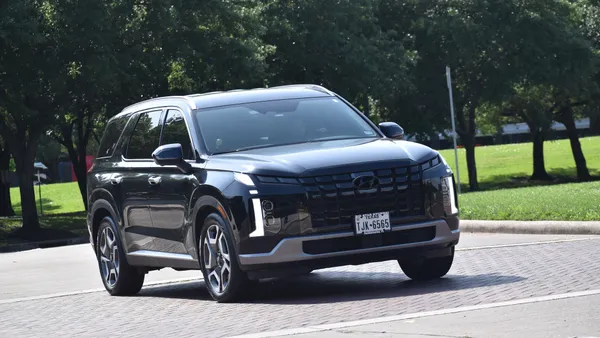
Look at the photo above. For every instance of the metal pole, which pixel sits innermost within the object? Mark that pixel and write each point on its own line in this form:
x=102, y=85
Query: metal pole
x=40, y=192
x=449, y=82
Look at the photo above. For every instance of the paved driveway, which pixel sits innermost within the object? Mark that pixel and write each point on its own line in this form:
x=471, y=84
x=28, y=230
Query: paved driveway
x=483, y=273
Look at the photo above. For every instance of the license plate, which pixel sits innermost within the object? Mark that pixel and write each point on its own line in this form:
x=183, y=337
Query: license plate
x=374, y=223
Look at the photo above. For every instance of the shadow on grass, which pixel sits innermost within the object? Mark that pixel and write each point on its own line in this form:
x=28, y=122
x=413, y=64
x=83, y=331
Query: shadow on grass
x=521, y=180
x=47, y=206
x=52, y=227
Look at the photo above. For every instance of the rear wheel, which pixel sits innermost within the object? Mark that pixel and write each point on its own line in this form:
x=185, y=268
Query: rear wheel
x=225, y=281
x=427, y=268
x=119, y=278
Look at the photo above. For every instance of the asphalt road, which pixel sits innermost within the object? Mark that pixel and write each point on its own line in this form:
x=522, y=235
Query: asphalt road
x=57, y=292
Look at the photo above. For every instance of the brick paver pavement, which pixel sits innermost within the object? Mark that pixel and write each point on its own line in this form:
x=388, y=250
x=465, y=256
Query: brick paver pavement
x=327, y=296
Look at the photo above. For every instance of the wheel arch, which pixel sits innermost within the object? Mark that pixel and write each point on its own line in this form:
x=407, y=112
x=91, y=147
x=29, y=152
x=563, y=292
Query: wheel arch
x=102, y=208
x=209, y=200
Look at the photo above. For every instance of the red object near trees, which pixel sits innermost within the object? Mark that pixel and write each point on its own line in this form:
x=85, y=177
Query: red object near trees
x=89, y=160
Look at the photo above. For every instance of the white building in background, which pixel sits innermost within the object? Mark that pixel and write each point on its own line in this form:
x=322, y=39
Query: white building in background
x=519, y=129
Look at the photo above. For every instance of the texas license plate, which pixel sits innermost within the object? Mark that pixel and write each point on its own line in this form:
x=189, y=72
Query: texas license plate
x=374, y=223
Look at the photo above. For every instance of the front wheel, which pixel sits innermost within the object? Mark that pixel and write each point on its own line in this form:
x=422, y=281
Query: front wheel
x=225, y=281
x=119, y=278
x=427, y=268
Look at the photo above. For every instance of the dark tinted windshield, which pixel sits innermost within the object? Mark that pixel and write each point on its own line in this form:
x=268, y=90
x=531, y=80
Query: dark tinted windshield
x=273, y=123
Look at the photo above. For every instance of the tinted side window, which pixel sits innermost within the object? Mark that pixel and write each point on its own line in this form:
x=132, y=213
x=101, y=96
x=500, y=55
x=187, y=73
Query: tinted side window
x=111, y=137
x=175, y=131
x=145, y=137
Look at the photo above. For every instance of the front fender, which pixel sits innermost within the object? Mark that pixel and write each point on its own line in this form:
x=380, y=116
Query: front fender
x=207, y=199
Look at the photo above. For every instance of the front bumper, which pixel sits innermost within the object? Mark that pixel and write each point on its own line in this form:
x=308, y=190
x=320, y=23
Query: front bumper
x=428, y=235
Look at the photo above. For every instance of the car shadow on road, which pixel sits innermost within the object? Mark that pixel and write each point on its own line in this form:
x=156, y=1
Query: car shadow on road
x=335, y=286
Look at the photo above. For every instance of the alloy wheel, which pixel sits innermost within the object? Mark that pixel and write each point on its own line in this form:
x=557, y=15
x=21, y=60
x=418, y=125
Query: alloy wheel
x=109, y=257
x=216, y=259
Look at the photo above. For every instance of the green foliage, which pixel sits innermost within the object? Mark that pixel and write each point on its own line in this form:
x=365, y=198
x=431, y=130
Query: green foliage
x=336, y=44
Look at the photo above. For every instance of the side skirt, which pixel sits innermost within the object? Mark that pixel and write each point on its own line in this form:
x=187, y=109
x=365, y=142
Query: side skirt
x=157, y=259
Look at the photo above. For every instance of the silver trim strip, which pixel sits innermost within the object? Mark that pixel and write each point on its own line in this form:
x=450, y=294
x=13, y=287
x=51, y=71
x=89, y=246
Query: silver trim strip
x=158, y=254
x=258, y=219
x=453, y=208
x=290, y=249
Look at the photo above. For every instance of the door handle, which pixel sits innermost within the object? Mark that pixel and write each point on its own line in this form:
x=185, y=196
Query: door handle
x=154, y=180
x=116, y=180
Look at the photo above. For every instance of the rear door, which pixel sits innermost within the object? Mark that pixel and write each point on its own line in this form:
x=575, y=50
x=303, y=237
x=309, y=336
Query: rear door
x=171, y=192
x=137, y=163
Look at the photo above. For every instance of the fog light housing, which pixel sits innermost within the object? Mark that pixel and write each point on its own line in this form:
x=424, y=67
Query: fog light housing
x=264, y=218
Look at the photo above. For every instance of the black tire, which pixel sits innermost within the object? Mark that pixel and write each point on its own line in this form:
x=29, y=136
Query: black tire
x=427, y=268
x=128, y=280
x=235, y=284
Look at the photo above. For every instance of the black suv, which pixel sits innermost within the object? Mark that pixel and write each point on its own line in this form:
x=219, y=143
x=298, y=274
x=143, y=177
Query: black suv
x=252, y=184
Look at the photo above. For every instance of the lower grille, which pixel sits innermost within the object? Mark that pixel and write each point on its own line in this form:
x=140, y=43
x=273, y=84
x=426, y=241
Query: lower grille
x=334, y=200
x=366, y=242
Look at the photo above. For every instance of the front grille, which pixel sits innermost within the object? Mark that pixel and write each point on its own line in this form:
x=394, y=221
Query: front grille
x=333, y=200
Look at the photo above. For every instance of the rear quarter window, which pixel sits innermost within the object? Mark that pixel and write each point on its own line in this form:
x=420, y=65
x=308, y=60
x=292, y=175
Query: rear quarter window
x=111, y=136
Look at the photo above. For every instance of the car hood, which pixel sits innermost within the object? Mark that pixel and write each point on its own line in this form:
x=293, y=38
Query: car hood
x=323, y=158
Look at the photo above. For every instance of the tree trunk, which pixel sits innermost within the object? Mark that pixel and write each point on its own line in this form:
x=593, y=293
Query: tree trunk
x=25, y=173
x=539, y=167
x=81, y=174
x=595, y=124
x=566, y=117
x=469, y=144
x=6, y=208
x=24, y=156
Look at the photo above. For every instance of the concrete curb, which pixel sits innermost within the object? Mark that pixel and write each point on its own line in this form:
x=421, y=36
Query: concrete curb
x=532, y=227
x=43, y=244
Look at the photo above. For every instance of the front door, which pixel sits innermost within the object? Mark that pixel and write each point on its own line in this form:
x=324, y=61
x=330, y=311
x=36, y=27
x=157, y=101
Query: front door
x=172, y=189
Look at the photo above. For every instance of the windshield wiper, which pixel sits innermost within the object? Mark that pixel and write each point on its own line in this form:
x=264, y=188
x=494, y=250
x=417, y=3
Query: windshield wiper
x=254, y=147
x=245, y=148
x=335, y=138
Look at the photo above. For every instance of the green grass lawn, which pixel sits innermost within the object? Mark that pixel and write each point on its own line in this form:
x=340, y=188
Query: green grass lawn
x=63, y=215
x=509, y=165
x=502, y=172
x=568, y=202
x=57, y=198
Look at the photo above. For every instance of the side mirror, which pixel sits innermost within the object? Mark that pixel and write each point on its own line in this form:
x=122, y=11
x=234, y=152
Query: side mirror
x=171, y=154
x=392, y=130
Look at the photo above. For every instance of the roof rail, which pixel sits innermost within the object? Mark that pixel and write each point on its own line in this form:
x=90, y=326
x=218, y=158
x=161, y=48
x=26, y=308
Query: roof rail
x=309, y=86
x=187, y=99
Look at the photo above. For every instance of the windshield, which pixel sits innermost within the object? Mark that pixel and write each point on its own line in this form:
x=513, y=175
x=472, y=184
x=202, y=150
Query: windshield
x=273, y=123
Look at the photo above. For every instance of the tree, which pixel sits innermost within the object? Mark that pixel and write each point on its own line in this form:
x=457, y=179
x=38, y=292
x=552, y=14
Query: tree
x=118, y=53
x=490, y=46
x=338, y=45
x=30, y=78
x=533, y=105
x=5, y=202
x=585, y=101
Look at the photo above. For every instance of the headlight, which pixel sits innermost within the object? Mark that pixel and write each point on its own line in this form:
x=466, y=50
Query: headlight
x=443, y=160
x=448, y=169
x=244, y=179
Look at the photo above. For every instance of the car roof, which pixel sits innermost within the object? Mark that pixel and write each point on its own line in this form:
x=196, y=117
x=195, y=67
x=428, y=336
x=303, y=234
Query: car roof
x=232, y=97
